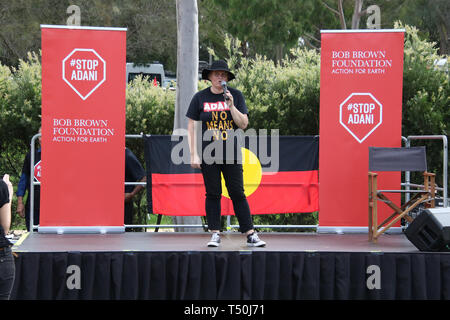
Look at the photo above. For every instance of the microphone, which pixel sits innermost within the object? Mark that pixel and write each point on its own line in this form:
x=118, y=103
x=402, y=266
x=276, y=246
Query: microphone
x=225, y=89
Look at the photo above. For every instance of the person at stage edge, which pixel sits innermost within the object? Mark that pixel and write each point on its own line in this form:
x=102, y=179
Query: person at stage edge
x=220, y=113
x=7, y=267
x=134, y=172
x=24, y=186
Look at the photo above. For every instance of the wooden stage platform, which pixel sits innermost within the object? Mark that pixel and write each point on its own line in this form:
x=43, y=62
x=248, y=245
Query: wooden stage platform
x=188, y=241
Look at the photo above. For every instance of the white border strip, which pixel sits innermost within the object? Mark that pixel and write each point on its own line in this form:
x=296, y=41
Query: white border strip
x=95, y=229
x=49, y=26
x=362, y=30
x=341, y=230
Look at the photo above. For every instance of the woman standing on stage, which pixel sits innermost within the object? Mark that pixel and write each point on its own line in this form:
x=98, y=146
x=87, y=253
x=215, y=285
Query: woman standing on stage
x=221, y=110
x=7, y=267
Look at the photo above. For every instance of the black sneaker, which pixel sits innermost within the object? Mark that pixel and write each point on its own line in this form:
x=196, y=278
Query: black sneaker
x=254, y=241
x=215, y=240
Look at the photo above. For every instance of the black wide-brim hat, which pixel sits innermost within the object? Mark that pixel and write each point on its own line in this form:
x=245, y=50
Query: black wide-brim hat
x=218, y=65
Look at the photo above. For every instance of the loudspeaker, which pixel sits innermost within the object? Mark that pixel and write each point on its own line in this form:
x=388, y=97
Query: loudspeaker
x=430, y=230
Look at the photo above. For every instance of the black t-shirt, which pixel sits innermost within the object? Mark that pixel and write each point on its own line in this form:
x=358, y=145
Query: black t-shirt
x=133, y=170
x=4, y=199
x=218, y=126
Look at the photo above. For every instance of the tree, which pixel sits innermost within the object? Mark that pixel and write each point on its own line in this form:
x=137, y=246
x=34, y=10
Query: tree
x=426, y=95
x=264, y=26
x=187, y=57
x=20, y=26
x=151, y=26
x=431, y=17
x=187, y=74
x=271, y=28
x=358, y=12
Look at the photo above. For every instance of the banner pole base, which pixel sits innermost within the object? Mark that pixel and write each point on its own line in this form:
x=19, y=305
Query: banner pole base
x=81, y=229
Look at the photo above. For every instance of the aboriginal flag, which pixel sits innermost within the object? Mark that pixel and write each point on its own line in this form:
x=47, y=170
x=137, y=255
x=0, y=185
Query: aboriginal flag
x=280, y=176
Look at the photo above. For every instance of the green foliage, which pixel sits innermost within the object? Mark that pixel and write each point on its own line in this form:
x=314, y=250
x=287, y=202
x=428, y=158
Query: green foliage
x=151, y=26
x=426, y=89
x=24, y=99
x=266, y=27
x=426, y=96
x=150, y=109
x=282, y=96
x=20, y=110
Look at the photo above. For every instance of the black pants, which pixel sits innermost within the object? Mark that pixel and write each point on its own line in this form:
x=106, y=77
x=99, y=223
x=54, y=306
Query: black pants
x=7, y=273
x=128, y=212
x=234, y=182
x=35, y=216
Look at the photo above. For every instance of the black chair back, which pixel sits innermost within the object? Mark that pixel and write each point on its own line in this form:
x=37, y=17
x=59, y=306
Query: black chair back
x=397, y=159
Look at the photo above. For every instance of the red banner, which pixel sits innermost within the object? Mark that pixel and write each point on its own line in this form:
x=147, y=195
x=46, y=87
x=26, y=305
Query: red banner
x=360, y=106
x=83, y=129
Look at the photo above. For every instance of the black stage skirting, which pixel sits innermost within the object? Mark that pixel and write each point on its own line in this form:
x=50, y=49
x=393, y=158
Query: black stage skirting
x=179, y=266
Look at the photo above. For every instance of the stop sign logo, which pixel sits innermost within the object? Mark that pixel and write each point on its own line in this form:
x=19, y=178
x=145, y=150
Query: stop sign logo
x=37, y=172
x=84, y=70
x=360, y=114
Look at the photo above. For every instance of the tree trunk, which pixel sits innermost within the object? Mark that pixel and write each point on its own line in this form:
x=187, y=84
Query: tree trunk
x=357, y=14
x=444, y=38
x=187, y=61
x=443, y=24
x=187, y=79
x=279, y=52
x=341, y=15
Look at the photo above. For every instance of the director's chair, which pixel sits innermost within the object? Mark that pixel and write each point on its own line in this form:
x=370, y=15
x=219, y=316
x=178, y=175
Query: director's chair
x=397, y=159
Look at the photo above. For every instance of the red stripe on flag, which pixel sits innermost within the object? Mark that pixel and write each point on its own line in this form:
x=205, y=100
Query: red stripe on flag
x=286, y=192
x=281, y=192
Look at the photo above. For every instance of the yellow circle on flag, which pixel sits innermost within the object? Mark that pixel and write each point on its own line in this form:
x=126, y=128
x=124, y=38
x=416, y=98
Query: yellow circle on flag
x=252, y=172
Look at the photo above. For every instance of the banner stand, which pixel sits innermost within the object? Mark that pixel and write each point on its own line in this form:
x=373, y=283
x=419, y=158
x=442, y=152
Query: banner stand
x=83, y=129
x=361, y=83
x=82, y=229
x=342, y=230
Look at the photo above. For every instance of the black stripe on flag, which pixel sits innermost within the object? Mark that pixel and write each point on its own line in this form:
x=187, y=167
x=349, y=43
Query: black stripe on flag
x=295, y=153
